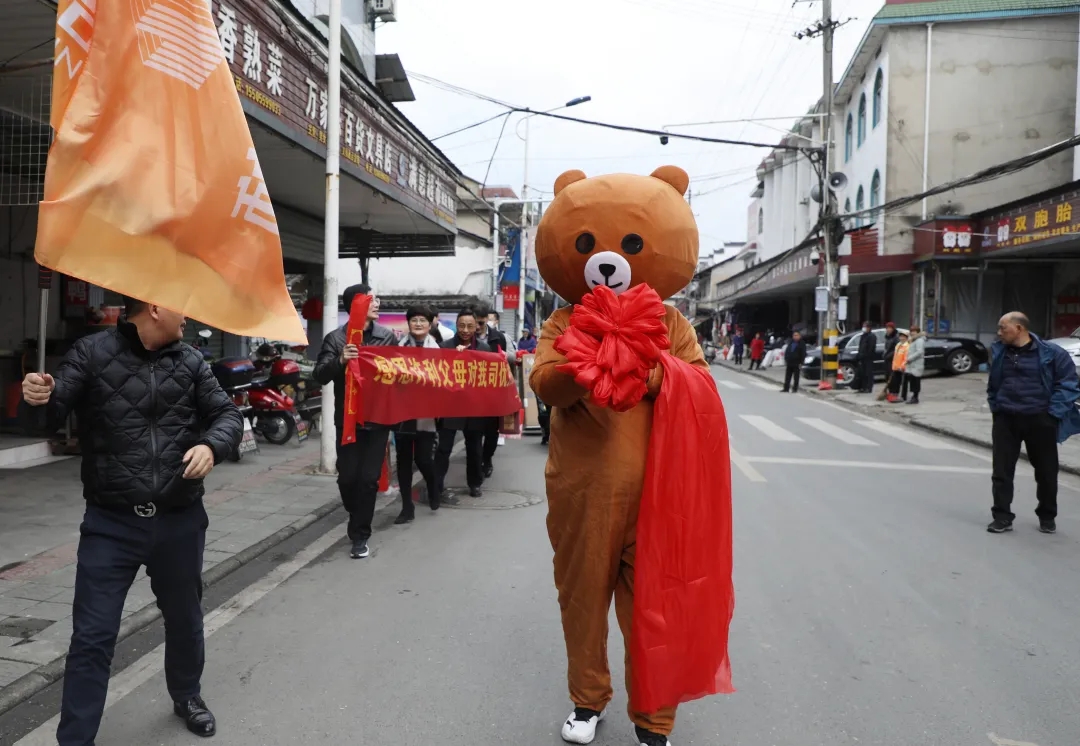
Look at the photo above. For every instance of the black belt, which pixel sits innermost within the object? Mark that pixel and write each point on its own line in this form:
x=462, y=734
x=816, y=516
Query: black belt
x=145, y=510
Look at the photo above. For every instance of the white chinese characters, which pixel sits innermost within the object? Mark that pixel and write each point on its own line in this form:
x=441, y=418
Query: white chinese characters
x=253, y=198
x=274, y=77
x=253, y=67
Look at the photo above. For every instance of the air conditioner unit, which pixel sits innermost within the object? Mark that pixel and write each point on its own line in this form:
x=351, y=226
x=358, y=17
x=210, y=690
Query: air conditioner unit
x=384, y=10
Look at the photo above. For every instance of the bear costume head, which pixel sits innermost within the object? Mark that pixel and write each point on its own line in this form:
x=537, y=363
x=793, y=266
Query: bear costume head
x=619, y=230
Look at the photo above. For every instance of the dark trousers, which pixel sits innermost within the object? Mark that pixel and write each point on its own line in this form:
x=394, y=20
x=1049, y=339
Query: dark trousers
x=359, y=467
x=737, y=352
x=474, y=457
x=913, y=384
x=866, y=375
x=421, y=447
x=113, y=545
x=1039, y=433
x=896, y=380
x=755, y=361
x=491, y=441
x=791, y=376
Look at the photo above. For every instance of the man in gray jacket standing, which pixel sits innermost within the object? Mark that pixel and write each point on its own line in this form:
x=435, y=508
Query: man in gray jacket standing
x=360, y=463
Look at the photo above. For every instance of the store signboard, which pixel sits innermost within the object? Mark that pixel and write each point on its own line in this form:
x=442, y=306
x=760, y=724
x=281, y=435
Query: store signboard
x=276, y=68
x=1031, y=226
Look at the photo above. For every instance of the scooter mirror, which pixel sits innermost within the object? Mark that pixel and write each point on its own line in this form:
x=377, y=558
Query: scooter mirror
x=206, y=333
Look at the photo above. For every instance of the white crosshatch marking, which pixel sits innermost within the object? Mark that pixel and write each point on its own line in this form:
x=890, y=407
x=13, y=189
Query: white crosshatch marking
x=259, y=211
x=178, y=38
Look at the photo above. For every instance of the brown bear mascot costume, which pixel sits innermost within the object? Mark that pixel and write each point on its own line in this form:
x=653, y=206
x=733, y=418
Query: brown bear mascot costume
x=638, y=476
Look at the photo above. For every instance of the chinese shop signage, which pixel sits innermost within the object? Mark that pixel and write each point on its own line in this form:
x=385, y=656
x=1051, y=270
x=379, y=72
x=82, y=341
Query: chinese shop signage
x=1034, y=225
x=280, y=71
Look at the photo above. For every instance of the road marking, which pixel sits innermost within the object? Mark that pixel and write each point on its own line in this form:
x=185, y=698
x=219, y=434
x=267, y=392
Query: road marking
x=729, y=384
x=998, y=741
x=146, y=667
x=770, y=428
x=765, y=385
x=897, y=466
x=915, y=439
x=744, y=466
x=837, y=432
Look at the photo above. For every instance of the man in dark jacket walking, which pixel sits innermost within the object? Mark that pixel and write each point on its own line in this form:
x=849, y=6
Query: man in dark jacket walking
x=488, y=333
x=865, y=359
x=359, y=464
x=794, y=354
x=472, y=427
x=1032, y=391
x=152, y=423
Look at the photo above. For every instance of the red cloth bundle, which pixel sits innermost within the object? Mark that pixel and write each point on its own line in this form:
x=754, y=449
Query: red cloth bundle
x=683, y=593
x=613, y=343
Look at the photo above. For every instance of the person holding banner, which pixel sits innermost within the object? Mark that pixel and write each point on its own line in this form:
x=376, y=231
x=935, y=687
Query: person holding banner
x=359, y=463
x=472, y=427
x=490, y=334
x=416, y=438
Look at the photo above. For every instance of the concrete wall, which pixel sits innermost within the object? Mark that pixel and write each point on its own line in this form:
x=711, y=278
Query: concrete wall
x=999, y=90
x=872, y=155
x=787, y=206
x=19, y=298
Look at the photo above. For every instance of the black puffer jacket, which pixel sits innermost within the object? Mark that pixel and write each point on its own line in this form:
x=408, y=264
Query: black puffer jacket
x=328, y=368
x=467, y=423
x=138, y=413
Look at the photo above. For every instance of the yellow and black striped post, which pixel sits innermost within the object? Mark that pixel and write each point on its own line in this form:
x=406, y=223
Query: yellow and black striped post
x=830, y=360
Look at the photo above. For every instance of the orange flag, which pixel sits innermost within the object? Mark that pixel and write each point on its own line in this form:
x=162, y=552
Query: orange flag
x=153, y=188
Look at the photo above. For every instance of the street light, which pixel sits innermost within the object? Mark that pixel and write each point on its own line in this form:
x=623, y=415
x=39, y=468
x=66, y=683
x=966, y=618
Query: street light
x=525, y=206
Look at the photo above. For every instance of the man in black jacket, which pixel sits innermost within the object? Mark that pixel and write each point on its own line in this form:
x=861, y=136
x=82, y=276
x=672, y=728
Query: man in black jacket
x=794, y=354
x=472, y=427
x=489, y=333
x=152, y=423
x=359, y=464
x=865, y=359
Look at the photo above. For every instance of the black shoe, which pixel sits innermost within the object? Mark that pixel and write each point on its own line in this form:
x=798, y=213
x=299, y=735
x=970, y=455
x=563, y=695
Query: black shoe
x=200, y=720
x=1048, y=527
x=914, y=400
x=404, y=518
x=359, y=549
x=999, y=526
x=475, y=492
x=544, y=441
x=435, y=503
x=785, y=391
x=648, y=738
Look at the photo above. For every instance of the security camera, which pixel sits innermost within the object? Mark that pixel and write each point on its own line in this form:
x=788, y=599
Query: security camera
x=815, y=258
x=664, y=139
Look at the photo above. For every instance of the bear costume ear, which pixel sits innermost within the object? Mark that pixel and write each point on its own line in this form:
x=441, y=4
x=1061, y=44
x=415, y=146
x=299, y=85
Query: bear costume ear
x=568, y=178
x=673, y=175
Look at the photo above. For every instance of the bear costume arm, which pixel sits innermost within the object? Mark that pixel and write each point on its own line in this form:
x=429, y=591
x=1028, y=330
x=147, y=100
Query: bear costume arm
x=552, y=386
x=684, y=346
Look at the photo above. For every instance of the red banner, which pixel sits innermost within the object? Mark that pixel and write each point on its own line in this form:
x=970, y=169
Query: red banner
x=388, y=385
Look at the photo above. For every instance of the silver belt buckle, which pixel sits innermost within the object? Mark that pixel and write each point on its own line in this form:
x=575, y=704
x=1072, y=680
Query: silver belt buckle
x=149, y=510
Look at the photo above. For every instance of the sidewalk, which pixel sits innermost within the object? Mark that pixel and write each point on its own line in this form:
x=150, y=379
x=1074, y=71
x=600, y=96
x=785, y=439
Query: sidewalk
x=953, y=406
x=253, y=506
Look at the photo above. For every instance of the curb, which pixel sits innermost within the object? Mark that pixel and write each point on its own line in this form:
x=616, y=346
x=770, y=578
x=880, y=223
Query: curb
x=936, y=429
x=25, y=687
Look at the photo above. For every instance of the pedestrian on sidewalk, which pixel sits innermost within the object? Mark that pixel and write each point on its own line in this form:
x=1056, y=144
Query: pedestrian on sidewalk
x=415, y=439
x=915, y=365
x=757, y=351
x=892, y=338
x=1032, y=392
x=738, y=344
x=864, y=360
x=360, y=463
x=897, y=388
x=794, y=354
x=488, y=333
x=152, y=422
x=472, y=427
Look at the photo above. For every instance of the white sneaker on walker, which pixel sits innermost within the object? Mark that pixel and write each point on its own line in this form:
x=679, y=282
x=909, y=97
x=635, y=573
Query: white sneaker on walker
x=580, y=727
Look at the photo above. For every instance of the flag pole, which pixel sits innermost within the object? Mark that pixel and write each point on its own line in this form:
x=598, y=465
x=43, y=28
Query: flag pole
x=328, y=433
x=45, y=277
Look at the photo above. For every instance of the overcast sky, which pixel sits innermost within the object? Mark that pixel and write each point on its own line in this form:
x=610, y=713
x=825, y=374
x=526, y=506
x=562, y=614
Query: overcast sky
x=647, y=63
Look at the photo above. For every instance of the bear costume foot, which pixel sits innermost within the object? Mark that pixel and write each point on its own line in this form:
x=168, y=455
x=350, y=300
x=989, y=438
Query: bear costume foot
x=648, y=738
x=580, y=727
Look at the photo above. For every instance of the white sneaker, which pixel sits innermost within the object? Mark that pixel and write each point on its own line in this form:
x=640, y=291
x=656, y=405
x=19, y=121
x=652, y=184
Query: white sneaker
x=580, y=727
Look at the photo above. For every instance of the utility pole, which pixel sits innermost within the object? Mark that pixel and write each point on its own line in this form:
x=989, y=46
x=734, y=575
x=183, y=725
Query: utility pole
x=829, y=351
x=327, y=432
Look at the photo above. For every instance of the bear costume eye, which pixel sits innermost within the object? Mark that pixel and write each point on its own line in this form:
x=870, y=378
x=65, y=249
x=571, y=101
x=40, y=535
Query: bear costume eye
x=632, y=244
x=585, y=243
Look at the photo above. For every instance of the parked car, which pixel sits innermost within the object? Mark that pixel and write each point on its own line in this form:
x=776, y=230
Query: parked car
x=1071, y=345
x=953, y=355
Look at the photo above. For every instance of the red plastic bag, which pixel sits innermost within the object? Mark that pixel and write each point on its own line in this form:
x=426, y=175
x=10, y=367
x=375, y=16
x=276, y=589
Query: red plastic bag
x=683, y=593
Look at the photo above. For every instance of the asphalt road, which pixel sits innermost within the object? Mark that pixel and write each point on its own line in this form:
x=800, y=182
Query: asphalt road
x=872, y=608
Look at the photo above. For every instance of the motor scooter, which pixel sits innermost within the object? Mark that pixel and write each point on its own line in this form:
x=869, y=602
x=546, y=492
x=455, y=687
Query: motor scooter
x=710, y=353
x=272, y=414
x=235, y=375
x=294, y=379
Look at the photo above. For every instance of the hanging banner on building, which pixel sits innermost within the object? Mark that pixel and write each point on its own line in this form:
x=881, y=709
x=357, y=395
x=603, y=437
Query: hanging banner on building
x=153, y=188
x=1045, y=222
